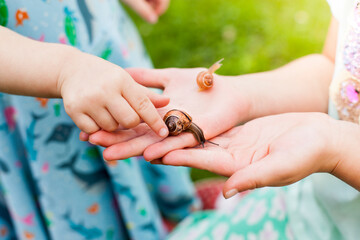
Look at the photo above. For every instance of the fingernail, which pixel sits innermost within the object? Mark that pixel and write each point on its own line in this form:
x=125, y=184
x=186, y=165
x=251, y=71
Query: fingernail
x=163, y=132
x=231, y=193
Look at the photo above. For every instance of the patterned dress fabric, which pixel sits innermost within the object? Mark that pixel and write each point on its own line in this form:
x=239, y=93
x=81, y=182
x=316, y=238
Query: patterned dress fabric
x=54, y=186
x=260, y=215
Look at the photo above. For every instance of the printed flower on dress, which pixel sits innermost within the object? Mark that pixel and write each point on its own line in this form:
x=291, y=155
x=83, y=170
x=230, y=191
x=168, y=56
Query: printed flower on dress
x=269, y=233
x=259, y=211
x=351, y=55
x=347, y=94
x=220, y=231
x=278, y=209
x=243, y=211
x=348, y=100
x=21, y=15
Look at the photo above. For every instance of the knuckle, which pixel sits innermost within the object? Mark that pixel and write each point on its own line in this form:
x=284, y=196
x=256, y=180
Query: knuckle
x=91, y=96
x=283, y=178
x=87, y=127
x=143, y=104
x=253, y=184
x=131, y=121
x=110, y=127
x=71, y=108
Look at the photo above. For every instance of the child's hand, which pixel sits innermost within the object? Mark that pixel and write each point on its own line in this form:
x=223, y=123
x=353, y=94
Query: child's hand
x=150, y=10
x=214, y=111
x=98, y=94
x=270, y=151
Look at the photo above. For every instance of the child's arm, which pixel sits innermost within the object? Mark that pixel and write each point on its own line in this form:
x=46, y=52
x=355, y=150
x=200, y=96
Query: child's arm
x=302, y=85
x=97, y=94
x=278, y=150
x=30, y=67
x=299, y=86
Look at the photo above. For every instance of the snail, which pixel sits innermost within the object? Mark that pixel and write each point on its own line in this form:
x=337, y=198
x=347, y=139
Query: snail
x=179, y=121
x=205, y=79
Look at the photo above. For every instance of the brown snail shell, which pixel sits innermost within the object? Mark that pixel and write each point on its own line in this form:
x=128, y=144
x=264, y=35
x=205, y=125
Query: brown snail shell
x=179, y=121
x=205, y=79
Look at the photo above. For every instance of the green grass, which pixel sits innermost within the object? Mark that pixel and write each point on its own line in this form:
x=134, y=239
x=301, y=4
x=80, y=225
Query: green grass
x=252, y=35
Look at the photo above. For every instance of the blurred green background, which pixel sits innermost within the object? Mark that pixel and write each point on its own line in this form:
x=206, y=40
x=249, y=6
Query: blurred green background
x=252, y=35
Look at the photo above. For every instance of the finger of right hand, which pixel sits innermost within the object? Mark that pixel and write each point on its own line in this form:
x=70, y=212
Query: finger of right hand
x=158, y=100
x=131, y=148
x=138, y=100
x=160, y=149
x=123, y=113
x=269, y=171
x=247, y=178
x=107, y=139
x=85, y=123
x=104, y=119
x=149, y=77
x=144, y=9
x=218, y=162
x=161, y=6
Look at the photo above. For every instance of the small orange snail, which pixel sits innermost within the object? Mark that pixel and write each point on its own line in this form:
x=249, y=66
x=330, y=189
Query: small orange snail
x=178, y=121
x=205, y=79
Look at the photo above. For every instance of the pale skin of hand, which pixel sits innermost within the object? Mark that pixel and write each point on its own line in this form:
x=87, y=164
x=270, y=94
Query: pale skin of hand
x=149, y=10
x=202, y=106
x=300, y=86
x=232, y=100
x=97, y=94
x=277, y=150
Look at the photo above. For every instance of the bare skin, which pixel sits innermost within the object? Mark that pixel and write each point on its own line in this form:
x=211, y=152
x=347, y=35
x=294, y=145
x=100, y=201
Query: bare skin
x=277, y=150
x=97, y=94
x=269, y=151
x=231, y=101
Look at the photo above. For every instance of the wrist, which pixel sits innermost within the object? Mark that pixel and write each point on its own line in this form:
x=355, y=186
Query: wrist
x=330, y=134
x=244, y=92
x=68, y=63
x=346, y=150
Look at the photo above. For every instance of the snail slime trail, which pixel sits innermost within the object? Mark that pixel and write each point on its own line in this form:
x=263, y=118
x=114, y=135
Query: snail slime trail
x=179, y=121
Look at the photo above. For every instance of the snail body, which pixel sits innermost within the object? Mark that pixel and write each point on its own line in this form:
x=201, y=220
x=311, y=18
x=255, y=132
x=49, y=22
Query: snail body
x=205, y=79
x=179, y=121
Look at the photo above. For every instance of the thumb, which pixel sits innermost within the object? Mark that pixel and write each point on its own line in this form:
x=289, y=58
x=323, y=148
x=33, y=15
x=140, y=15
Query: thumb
x=144, y=9
x=158, y=100
x=270, y=171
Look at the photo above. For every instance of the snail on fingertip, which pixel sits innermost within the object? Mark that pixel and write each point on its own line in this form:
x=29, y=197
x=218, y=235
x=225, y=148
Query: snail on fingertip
x=205, y=79
x=179, y=121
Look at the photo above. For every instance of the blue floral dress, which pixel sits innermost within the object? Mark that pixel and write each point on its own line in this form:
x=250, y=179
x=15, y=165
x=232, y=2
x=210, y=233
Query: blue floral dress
x=52, y=185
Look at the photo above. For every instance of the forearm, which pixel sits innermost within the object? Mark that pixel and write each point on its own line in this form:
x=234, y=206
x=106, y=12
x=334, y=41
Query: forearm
x=29, y=67
x=347, y=167
x=300, y=86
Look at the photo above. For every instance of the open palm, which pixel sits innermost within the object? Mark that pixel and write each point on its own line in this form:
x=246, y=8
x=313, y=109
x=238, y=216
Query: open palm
x=215, y=111
x=271, y=151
